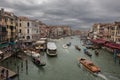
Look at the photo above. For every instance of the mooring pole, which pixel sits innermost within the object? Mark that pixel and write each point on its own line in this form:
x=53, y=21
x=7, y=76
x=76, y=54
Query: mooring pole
x=115, y=52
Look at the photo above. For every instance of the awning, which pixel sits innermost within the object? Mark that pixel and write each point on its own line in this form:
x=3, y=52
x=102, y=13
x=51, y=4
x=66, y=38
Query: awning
x=98, y=41
x=39, y=42
x=112, y=45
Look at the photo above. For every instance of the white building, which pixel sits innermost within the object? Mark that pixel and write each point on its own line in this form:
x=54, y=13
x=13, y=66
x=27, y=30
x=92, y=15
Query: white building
x=28, y=30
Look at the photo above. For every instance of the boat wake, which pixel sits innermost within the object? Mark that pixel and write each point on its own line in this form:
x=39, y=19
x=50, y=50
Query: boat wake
x=102, y=76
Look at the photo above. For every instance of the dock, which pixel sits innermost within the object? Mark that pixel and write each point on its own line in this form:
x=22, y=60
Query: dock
x=7, y=55
x=10, y=73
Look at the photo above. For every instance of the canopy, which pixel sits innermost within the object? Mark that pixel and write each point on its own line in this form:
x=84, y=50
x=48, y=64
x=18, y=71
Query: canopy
x=40, y=42
x=98, y=41
x=35, y=55
x=51, y=46
x=112, y=45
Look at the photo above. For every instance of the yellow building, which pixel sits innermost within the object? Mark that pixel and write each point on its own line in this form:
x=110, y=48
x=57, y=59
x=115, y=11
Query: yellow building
x=107, y=31
x=8, y=20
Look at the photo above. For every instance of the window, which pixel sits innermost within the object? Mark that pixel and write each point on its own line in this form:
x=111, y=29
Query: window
x=20, y=24
x=28, y=24
x=28, y=31
x=19, y=30
x=28, y=37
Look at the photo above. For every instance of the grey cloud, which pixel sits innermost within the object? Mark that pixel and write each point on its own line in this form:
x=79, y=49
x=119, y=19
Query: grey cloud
x=76, y=13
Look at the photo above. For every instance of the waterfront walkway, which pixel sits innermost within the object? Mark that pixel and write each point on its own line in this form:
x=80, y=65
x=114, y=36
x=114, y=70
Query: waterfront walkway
x=6, y=55
x=6, y=73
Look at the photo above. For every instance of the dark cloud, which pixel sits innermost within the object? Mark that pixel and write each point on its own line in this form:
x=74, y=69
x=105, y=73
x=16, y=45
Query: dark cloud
x=76, y=13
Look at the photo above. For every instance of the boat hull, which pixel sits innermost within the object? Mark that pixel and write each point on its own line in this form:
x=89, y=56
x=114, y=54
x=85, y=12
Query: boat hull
x=89, y=66
x=38, y=63
x=51, y=54
x=77, y=48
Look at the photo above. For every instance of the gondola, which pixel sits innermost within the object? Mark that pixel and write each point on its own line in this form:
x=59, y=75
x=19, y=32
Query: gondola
x=38, y=62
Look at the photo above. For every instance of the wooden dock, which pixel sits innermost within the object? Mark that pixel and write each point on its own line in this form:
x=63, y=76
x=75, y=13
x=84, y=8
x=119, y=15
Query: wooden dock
x=10, y=73
x=6, y=56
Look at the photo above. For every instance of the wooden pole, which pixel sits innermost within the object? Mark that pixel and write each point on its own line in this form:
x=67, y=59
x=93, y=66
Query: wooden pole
x=18, y=71
x=26, y=66
x=115, y=52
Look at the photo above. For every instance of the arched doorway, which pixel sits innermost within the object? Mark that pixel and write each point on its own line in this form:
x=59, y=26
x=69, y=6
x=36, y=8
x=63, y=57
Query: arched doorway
x=28, y=37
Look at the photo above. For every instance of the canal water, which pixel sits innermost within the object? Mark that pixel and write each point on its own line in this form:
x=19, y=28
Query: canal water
x=64, y=66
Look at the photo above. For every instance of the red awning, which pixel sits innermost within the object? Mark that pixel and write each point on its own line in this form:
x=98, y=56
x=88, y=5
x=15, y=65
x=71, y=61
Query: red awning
x=112, y=45
x=98, y=41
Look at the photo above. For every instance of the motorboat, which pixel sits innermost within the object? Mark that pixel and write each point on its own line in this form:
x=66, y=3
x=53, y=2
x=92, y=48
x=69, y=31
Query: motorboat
x=38, y=62
x=89, y=65
x=32, y=53
x=77, y=48
x=68, y=44
x=28, y=52
x=51, y=49
x=35, y=55
x=65, y=46
x=96, y=53
x=87, y=53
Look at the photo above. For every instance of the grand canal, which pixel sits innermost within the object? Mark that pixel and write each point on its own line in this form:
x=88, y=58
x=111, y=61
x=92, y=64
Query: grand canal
x=64, y=66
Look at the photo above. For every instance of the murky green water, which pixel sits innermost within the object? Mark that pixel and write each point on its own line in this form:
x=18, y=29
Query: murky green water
x=64, y=66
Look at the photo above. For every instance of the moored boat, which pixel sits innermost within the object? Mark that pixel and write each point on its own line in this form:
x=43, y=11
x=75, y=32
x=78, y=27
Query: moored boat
x=77, y=48
x=89, y=65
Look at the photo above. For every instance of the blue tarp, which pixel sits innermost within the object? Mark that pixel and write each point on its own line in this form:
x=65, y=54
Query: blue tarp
x=11, y=43
x=4, y=45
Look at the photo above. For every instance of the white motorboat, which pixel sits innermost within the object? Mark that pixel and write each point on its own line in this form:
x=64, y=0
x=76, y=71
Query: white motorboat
x=65, y=46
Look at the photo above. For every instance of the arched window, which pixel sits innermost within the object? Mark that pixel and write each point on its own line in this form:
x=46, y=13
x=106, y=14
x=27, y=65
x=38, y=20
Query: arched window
x=28, y=37
x=28, y=24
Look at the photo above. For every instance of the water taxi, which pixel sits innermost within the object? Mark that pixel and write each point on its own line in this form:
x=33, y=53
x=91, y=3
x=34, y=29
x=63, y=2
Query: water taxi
x=89, y=65
x=51, y=49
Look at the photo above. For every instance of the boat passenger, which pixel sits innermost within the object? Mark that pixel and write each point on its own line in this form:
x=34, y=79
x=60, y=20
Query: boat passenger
x=37, y=61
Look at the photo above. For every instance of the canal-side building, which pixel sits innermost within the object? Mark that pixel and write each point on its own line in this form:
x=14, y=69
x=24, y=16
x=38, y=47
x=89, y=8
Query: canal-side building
x=28, y=30
x=43, y=30
x=3, y=28
x=35, y=30
x=106, y=31
x=115, y=32
x=59, y=31
x=8, y=26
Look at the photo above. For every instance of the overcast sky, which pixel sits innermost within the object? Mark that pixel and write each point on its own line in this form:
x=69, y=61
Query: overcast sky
x=75, y=13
